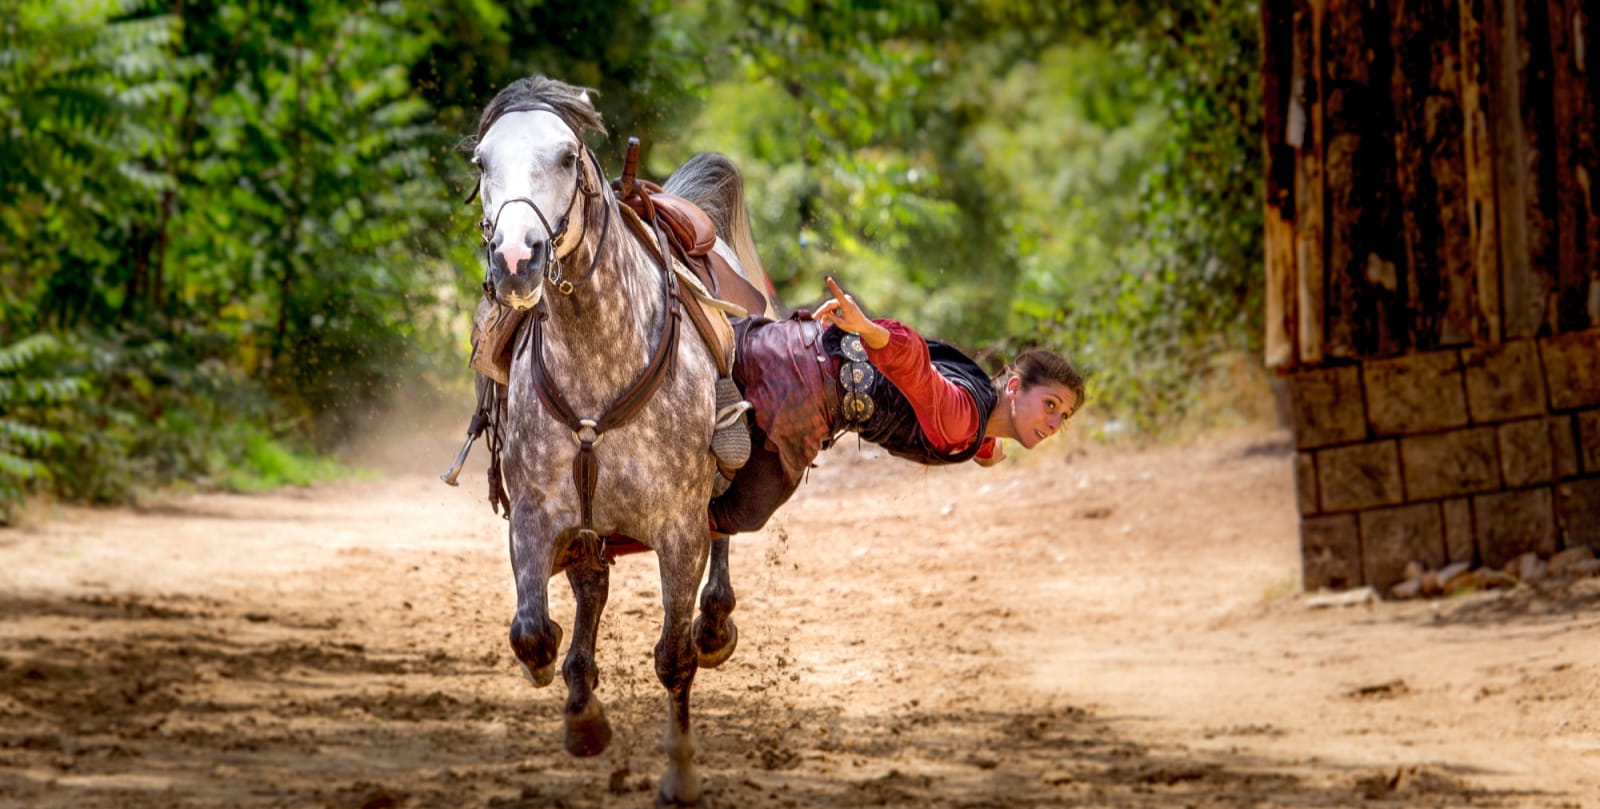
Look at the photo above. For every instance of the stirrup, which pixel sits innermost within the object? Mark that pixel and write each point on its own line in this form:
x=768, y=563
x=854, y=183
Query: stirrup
x=474, y=429
x=731, y=441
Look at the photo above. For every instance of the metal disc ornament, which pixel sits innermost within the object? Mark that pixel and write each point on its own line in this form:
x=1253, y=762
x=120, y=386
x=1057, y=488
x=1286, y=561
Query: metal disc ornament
x=856, y=407
x=852, y=348
x=857, y=377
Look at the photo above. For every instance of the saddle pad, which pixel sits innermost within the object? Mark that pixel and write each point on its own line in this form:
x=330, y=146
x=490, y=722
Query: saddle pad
x=493, y=326
x=733, y=287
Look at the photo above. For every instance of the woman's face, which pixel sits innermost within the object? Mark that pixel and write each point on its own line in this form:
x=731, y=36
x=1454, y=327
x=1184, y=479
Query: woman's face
x=1037, y=412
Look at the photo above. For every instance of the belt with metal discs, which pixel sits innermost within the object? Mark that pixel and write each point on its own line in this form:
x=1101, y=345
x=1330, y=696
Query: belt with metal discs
x=856, y=376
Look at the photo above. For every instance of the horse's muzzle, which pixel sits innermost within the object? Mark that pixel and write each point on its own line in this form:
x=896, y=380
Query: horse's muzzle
x=520, y=291
x=526, y=255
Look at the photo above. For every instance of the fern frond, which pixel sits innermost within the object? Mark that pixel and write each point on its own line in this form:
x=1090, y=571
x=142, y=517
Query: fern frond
x=17, y=434
x=145, y=178
x=20, y=469
x=27, y=350
x=141, y=95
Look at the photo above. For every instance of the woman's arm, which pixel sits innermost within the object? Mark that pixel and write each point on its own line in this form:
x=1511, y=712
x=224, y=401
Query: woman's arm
x=945, y=411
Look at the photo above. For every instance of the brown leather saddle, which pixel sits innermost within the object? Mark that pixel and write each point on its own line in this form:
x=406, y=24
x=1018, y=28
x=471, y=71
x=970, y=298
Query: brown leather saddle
x=691, y=235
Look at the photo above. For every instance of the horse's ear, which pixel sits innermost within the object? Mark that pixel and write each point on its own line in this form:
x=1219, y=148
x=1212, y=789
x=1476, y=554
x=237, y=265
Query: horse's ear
x=585, y=96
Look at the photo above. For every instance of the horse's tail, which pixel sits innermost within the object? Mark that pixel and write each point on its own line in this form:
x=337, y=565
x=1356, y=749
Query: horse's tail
x=713, y=182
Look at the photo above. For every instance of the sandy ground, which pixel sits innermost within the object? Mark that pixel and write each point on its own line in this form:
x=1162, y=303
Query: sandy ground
x=1080, y=628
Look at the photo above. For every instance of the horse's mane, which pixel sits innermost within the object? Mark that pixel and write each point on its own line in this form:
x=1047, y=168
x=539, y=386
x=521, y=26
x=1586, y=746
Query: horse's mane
x=568, y=101
x=713, y=182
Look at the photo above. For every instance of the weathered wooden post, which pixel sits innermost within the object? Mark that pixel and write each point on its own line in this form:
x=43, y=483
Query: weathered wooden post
x=1433, y=278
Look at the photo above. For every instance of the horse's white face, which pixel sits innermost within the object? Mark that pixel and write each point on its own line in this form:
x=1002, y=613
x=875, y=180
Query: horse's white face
x=528, y=158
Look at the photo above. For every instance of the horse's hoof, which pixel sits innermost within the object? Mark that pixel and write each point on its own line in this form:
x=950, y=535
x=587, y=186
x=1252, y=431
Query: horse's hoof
x=540, y=677
x=588, y=731
x=664, y=802
x=544, y=675
x=714, y=651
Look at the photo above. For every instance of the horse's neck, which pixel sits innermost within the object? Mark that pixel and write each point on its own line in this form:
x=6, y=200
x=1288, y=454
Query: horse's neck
x=614, y=319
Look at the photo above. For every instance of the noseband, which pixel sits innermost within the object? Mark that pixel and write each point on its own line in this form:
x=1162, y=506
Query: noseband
x=552, y=270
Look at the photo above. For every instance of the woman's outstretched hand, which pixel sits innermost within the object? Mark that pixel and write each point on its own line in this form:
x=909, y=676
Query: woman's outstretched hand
x=998, y=456
x=842, y=310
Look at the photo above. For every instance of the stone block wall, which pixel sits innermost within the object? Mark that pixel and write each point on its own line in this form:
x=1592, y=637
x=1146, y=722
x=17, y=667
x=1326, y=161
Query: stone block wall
x=1474, y=455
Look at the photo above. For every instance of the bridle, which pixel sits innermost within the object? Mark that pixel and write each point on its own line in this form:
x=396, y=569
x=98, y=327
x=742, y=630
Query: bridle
x=552, y=270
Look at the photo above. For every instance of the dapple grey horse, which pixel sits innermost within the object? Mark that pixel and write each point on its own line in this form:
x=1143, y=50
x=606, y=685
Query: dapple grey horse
x=603, y=326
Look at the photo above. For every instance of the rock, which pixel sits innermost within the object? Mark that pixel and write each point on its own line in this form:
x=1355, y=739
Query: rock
x=1430, y=584
x=1346, y=598
x=618, y=783
x=1462, y=582
x=1492, y=579
x=1583, y=568
x=1561, y=564
x=1527, y=567
x=1449, y=572
x=1414, y=570
x=983, y=761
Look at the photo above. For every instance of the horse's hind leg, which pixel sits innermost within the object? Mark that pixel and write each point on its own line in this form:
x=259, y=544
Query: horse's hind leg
x=535, y=639
x=588, y=732
x=683, y=560
x=715, y=635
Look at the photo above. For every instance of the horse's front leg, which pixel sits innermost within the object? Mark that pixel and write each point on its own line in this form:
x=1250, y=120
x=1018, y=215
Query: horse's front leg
x=715, y=634
x=588, y=731
x=535, y=638
x=682, y=556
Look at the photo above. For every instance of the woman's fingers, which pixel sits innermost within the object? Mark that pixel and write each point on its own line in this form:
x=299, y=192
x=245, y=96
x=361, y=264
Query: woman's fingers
x=843, y=298
x=827, y=312
x=846, y=303
x=841, y=310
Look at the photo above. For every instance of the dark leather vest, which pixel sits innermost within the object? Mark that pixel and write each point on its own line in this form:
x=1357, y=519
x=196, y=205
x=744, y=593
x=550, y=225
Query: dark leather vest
x=893, y=424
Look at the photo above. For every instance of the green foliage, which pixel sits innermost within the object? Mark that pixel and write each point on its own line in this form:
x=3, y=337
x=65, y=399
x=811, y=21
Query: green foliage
x=259, y=178
x=72, y=80
x=1188, y=301
x=26, y=387
x=147, y=414
x=267, y=463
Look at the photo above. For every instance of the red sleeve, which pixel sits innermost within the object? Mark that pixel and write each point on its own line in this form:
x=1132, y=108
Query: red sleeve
x=945, y=411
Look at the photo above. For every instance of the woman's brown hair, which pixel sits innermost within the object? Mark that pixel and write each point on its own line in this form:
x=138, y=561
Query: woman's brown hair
x=1039, y=367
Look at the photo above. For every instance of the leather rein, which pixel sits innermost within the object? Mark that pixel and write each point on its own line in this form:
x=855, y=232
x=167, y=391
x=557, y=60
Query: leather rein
x=626, y=406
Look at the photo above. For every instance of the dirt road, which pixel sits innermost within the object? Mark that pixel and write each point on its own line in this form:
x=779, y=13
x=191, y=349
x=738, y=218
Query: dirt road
x=1078, y=628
